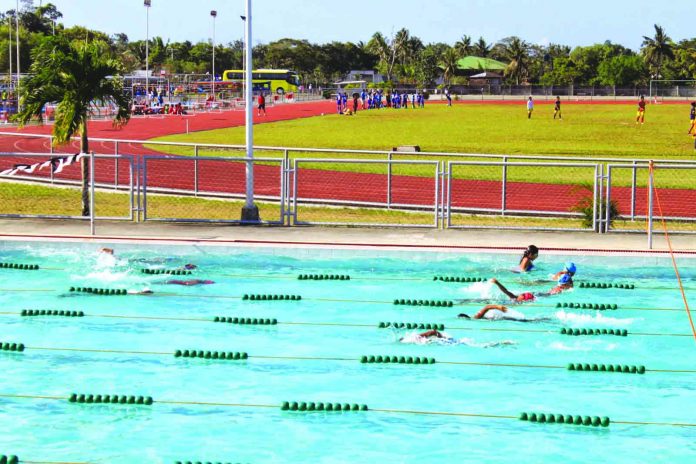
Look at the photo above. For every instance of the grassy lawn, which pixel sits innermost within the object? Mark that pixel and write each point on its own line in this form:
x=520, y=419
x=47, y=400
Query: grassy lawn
x=602, y=130
x=17, y=198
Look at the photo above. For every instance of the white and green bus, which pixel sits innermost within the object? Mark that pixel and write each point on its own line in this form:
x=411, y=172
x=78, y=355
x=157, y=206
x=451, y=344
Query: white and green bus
x=280, y=81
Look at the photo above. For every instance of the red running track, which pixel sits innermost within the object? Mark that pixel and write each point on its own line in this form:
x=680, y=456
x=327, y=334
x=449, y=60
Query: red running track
x=229, y=177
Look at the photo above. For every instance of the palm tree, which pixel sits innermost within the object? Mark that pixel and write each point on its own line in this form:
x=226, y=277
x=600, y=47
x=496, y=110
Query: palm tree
x=449, y=64
x=657, y=49
x=74, y=75
x=481, y=48
x=463, y=46
x=516, y=51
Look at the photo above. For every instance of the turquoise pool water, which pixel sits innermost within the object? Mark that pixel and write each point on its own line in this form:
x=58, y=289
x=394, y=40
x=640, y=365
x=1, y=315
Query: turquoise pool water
x=313, y=355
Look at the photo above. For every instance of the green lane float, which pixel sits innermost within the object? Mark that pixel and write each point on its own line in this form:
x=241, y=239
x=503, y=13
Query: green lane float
x=166, y=271
x=21, y=267
x=618, y=368
x=410, y=326
x=459, y=279
x=245, y=320
x=256, y=297
x=322, y=277
x=12, y=459
x=83, y=398
x=429, y=303
x=594, y=306
x=396, y=360
x=51, y=312
x=224, y=355
x=605, y=285
x=321, y=407
x=568, y=419
x=581, y=332
x=13, y=347
x=99, y=291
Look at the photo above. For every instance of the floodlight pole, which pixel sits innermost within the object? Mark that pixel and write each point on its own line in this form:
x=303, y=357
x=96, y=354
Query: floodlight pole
x=147, y=4
x=213, y=13
x=18, y=72
x=250, y=212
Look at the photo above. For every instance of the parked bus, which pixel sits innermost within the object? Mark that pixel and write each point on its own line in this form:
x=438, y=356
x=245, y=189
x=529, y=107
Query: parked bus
x=280, y=81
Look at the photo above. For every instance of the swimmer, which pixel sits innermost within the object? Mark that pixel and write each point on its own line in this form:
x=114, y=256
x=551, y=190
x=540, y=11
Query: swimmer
x=145, y=291
x=521, y=298
x=496, y=312
x=190, y=267
x=435, y=336
x=527, y=261
x=108, y=251
x=564, y=278
x=189, y=283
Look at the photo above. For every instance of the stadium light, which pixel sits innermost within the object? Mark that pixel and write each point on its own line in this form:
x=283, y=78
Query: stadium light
x=148, y=4
x=213, y=13
x=250, y=212
x=18, y=72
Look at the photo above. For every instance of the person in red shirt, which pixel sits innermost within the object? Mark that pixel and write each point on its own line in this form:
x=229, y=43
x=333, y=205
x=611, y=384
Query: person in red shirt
x=640, y=117
x=262, y=105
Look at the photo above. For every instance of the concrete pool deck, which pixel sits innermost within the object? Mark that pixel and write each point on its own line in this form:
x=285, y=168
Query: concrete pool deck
x=343, y=236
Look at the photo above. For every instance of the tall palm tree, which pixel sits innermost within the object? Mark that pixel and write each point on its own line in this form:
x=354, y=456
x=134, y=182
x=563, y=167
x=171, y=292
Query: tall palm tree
x=658, y=49
x=516, y=51
x=449, y=64
x=463, y=46
x=481, y=48
x=75, y=75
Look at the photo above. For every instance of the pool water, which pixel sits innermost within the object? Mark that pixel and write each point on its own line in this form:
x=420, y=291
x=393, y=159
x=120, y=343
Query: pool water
x=212, y=410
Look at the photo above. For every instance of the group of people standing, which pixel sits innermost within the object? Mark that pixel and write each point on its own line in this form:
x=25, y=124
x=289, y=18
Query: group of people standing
x=375, y=99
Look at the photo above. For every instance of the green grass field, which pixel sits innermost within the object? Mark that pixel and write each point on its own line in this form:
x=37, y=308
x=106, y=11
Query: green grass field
x=601, y=130
x=586, y=131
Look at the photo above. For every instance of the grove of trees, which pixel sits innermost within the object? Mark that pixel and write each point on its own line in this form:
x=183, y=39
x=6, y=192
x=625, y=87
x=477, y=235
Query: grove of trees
x=400, y=58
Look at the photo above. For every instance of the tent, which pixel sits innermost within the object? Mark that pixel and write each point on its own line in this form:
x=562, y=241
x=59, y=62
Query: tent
x=475, y=63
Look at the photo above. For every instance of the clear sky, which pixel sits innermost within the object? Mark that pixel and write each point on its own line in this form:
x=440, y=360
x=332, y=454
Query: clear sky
x=581, y=22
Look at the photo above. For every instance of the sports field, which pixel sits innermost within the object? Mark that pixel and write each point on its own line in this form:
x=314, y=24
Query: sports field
x=596, y=130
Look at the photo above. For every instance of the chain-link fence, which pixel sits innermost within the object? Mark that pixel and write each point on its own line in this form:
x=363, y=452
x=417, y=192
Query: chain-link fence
x=40, y=185
x=205, y=189
x=634, y=198
x=488, y=194
x=365, y=192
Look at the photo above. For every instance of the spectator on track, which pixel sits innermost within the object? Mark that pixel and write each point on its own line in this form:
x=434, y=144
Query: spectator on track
x=530, y=107
x=261, y=104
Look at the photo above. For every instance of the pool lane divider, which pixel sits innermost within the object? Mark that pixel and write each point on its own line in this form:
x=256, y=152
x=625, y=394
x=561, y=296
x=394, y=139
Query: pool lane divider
x=176, y=272
x=431, y=303
x=260, y=297
x=20, y=267
x=591, y=306
x=51, y=312
x=381, y=325
x=459, y=279
x=288, y=407
x=582, y=332
x=606, y=285
x=319, y=407
x=568, y=419
x=12, y=459
x=83, y=398
x=323, y=277
x=618, y=368
x=243, y=356
x=99, y=291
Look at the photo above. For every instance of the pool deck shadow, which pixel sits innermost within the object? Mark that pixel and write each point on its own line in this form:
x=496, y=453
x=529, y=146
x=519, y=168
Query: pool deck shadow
x=442, y=240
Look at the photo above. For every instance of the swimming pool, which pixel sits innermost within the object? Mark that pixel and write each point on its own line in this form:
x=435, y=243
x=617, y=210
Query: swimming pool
x=230, y=410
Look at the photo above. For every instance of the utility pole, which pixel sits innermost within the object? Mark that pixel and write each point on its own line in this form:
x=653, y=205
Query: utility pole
x=250, y=212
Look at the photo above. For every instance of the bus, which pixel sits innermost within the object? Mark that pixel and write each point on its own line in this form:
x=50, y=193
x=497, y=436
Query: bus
x=280, y=81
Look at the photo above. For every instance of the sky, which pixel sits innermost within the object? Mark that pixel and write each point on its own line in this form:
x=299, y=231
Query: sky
x=537, y=21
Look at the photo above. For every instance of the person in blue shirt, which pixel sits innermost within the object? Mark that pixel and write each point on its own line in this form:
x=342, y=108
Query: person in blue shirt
x=344, y=100
x=338, y=103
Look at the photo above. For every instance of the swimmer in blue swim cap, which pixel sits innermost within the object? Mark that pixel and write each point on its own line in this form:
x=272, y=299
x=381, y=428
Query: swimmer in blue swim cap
x=564, y=278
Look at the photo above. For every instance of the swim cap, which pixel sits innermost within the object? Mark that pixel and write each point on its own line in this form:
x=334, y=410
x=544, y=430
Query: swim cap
x=526, y=296
x=570, y=267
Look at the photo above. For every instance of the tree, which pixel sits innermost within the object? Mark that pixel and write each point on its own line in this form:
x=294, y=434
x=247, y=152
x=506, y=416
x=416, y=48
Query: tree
x=658, y=49
x=388, y=50
x=76, y=75
x=449, y=64
x=622, y=71
x=481, y=48
x=516, y=51
x=463, y=46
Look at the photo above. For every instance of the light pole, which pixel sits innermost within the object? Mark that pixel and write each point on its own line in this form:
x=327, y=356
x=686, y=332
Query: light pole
x=147, y=4
x=243, y=59
x=213, y=13
x=17, y=37
x=250, y=212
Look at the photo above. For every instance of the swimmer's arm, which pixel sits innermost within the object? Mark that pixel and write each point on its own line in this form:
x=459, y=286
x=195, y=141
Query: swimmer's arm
x=524, y=264
x=503, y=289
x=481, y=314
